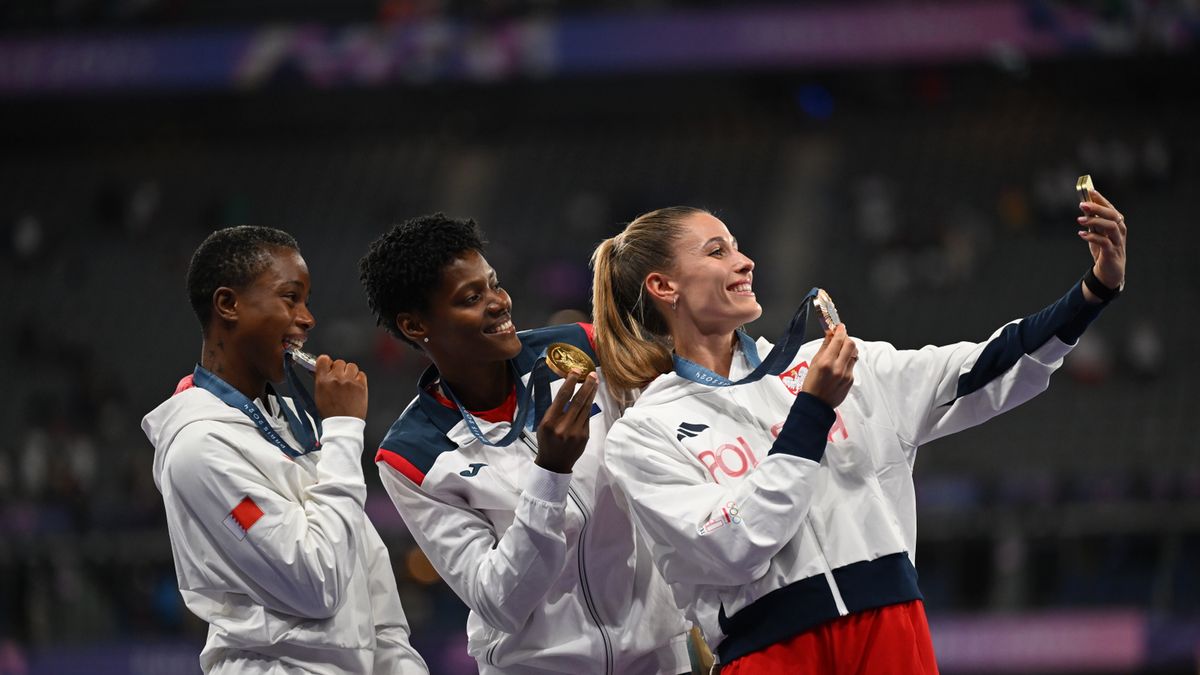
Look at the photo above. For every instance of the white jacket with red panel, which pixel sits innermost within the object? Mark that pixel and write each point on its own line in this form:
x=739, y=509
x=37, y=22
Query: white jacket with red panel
x=275, y=553
x=549, y=564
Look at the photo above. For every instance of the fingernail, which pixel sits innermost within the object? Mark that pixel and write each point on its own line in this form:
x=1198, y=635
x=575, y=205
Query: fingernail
x=1082, y=219
x=1086, y=206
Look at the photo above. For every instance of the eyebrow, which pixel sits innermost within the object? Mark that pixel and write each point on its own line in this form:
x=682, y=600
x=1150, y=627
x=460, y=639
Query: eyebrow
x=719, y=240
x=472, y=283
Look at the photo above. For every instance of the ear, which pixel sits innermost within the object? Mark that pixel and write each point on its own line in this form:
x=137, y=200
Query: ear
x=225, y=304
x=661, y=287
x=412, y=327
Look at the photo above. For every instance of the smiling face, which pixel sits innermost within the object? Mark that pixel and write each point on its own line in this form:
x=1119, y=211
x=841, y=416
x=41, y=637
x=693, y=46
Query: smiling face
x=271, y=314
x=712, y=280
x=469, y=317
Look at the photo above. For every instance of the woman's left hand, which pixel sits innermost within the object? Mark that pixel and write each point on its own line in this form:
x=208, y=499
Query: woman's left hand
x=1105, y=235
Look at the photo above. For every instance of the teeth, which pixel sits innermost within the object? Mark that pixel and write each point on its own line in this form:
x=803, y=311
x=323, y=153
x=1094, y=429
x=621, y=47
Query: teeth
x=502, y=327
x=741, y=288
x=294, y=344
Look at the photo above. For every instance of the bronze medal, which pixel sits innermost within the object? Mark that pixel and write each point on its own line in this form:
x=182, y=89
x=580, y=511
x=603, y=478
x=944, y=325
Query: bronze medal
x=827, y=314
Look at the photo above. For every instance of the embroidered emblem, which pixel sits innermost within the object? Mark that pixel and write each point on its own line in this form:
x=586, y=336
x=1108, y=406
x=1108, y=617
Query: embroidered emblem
x=794, y=379
x=728, y=516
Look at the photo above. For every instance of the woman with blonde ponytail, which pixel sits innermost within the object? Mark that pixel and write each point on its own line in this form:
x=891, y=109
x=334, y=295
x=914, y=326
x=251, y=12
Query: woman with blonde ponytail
x=636, y=334
x=773, y=484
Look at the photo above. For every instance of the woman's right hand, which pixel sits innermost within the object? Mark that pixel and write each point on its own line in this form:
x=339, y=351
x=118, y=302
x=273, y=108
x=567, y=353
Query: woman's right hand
x=563, y=433
x=831, y=373
x=339, y=389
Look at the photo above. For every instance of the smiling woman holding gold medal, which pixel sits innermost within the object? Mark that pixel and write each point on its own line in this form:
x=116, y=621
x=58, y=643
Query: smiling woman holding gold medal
x=495, y=468
x=773, y=483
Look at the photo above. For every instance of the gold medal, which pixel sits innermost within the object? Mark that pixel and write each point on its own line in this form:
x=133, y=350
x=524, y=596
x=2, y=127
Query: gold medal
x=827, y=314
x=564, y=358
x=1084, y=187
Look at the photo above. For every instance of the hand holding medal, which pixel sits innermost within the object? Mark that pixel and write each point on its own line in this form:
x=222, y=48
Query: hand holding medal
x=831, y=373
x=340, y=388
x=565, y=428
x=1103, y=227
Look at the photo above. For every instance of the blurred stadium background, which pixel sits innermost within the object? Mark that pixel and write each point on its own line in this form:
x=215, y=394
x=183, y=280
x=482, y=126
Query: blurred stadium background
x=917, y=159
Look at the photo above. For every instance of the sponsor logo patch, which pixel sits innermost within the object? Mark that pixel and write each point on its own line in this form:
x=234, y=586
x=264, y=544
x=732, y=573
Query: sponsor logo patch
x=687, y=430
x=473, y=470
x=242, y=518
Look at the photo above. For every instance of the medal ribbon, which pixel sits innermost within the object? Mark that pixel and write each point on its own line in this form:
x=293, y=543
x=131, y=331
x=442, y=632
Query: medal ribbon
x=306, y=434
x=778, y=358
x=519, y=419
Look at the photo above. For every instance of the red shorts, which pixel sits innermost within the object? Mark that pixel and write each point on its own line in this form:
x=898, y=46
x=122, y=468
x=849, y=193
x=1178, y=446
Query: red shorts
x=892, y=640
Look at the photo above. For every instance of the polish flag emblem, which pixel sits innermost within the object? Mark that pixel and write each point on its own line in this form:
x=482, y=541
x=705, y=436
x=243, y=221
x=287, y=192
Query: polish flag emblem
x=242, y=518
x=794, y=378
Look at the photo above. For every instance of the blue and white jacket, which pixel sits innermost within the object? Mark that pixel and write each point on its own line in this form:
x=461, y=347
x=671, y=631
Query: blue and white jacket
x=770, y=513
x=549, y=564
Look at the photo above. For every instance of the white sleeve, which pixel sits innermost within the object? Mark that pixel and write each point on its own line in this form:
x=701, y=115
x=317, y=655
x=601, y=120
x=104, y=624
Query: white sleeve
x=393, y=651
x=936, y=391
x=503, y=579
x=672, y=499
x=296, y=558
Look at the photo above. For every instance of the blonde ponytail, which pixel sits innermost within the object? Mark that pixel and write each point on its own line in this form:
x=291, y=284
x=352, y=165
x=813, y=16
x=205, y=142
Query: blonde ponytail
x=632, y=338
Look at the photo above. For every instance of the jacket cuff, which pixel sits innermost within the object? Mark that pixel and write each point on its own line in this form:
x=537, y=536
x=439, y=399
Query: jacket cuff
x=545, y=485
x=806, y=429
x=1083, y=314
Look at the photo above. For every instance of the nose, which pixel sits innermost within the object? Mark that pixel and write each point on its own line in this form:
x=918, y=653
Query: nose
x=499, y=302
x=305, y=319
x=745, y=265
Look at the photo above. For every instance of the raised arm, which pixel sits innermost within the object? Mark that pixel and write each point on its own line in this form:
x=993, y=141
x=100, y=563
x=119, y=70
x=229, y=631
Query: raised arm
x=937, y=391
x=503, y=578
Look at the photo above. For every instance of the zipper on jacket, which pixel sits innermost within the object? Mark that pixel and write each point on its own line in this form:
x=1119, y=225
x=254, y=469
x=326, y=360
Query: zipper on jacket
x=827, y=570
x=585, y=585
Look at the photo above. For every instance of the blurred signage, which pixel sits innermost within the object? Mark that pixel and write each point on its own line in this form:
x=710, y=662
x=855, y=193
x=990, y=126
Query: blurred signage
x=442, y=50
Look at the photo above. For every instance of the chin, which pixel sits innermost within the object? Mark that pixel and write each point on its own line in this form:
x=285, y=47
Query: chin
x=512, y=347
x=751, y=315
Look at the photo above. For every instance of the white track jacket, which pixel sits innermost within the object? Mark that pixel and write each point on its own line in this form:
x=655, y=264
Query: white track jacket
x=276, y=554
x=770, y=513
x=549, y=564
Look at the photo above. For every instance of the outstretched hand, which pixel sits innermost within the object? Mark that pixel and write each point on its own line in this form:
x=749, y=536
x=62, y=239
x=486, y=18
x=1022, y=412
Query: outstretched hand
x=1105, y=234
x=563, y=433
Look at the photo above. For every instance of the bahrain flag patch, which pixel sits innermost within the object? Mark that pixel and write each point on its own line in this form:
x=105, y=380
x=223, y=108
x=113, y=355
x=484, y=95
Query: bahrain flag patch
x=243, y=517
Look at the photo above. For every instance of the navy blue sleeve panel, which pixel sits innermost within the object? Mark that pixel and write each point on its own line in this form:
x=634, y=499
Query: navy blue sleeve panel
x=806, y=428
x=417, y=439
x=535, y=341
x=1066, y=319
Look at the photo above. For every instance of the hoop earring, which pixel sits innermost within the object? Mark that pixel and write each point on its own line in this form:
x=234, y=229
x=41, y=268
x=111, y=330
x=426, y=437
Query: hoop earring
x=674, y=303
